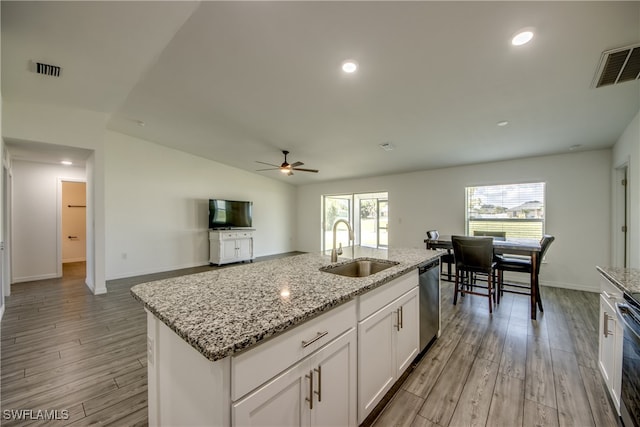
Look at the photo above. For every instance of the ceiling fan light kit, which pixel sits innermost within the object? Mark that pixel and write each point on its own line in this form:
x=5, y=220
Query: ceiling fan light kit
x=285, y=167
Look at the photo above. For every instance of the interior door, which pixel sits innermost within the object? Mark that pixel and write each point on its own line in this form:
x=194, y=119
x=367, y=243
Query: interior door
x=74, y=228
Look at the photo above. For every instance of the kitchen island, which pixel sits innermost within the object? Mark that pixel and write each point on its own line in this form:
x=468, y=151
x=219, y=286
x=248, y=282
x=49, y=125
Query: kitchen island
x=220, y=342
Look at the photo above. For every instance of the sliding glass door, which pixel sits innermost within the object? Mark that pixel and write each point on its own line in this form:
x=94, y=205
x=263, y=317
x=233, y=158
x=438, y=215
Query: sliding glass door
x=367, y=213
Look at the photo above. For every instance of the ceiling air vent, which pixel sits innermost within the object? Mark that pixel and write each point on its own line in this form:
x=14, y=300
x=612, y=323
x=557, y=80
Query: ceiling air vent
x=46, y=69
x=618, y=66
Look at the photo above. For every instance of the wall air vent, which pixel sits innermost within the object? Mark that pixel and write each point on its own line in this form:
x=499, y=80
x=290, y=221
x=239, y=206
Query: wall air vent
x=618, y=66
x=45, y=69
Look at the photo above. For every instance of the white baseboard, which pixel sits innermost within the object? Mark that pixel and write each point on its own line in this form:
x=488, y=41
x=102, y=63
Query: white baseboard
x=65, y=261
x=1, y=312
x=32, y=278
x=96, y=291
x=153, y=271
x=572, y=286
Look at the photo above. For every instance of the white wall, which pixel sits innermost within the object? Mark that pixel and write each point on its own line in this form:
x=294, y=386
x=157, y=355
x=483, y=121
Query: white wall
x=157, y=207
x=35, y=218
x=577, y=192
x=627, y=151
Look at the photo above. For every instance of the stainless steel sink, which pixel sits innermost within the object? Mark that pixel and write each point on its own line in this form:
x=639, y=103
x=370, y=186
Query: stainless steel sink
x=360, y=267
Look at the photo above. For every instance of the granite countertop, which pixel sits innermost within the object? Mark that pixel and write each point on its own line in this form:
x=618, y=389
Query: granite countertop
x=225, y=311
x=627, y=279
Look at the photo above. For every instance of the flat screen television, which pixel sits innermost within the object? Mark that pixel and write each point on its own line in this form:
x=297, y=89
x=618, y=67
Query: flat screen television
x=229, y=213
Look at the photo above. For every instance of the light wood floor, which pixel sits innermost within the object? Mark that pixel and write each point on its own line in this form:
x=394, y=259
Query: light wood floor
x=63, y=348
x=506, y=369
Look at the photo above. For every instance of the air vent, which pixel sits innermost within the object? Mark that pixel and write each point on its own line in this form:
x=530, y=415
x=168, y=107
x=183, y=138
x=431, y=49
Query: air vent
x=45, y=69
x=618, y=66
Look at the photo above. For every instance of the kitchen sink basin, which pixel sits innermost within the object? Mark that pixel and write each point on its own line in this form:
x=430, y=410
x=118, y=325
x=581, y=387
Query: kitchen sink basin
x=360, y=267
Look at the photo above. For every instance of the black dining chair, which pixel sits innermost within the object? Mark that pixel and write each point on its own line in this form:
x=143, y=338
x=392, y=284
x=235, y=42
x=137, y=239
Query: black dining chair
x=523, y=265
x=473, y=255
x=444, y=259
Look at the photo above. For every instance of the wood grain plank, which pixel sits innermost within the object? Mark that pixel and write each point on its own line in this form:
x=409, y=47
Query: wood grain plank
x=507, y=403
x=475, y=400
x=539, y=379
x=604, y=414
x=441, y=402
x=401, y=411
x=573, y=403
x=514, y=353
x=538, y=415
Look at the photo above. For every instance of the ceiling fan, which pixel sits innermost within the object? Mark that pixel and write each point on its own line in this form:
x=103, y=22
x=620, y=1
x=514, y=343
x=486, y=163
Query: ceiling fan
x=285, y=167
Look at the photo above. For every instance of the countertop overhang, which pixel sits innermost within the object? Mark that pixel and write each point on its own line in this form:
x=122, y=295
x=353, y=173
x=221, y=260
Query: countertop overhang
x=228, y=310
x=626, y=279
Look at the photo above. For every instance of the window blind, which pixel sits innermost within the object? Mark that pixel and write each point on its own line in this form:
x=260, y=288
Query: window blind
x=517, y=210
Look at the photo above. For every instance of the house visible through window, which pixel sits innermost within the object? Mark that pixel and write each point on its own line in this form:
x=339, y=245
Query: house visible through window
x=517, y=210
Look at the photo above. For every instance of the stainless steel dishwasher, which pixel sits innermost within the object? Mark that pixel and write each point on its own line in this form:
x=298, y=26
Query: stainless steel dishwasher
x=429, y=281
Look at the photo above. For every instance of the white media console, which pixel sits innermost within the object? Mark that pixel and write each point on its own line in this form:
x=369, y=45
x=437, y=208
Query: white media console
x=227, y=246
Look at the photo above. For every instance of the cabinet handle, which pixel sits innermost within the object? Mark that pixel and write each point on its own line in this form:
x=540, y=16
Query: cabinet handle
x=401, y=317
x=398, y=320
x=605, y=325
x=319, y=392
x=317, y=337
x=310, y=398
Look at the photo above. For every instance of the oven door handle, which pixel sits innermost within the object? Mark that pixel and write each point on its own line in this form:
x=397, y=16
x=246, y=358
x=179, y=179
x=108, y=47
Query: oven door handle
x=625, y=316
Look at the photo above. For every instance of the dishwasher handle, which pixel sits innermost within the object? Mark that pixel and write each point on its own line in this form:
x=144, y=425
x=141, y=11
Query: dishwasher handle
x=626, y=315
x=428, y=266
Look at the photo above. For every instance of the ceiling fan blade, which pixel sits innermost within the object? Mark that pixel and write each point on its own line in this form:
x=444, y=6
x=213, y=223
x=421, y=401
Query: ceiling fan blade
x=306, y=170
x=270, y=169
x=269, y=164
x=296, y=164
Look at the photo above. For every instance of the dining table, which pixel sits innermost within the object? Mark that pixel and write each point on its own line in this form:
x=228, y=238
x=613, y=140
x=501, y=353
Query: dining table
x=507, y=246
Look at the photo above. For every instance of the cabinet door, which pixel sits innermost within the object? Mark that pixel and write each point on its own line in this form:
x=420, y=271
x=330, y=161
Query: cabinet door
x=334, y=368
x=408, y=336
x=607, y=341
x=376, y=358
x=244, y=248
x=280, y=402
x=616, y=382
x=229, y=250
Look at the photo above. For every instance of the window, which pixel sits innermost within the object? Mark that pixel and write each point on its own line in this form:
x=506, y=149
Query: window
x=368, y=214
x=518, y=210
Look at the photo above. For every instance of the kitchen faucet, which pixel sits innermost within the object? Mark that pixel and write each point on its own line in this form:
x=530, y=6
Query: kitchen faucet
x=334, y=252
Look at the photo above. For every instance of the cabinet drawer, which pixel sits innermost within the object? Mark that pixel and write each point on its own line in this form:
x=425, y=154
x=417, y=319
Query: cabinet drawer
x=244, y=234
x=376, y=299
x=256, y=366
x=609, y=290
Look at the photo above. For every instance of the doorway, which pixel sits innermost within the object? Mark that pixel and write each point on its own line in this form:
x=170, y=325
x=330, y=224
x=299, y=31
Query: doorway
x=368, y=213
x=73, y=235
x=621, y=215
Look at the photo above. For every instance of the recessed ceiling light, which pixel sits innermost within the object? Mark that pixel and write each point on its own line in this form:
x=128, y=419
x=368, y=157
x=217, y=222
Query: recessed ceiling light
x=502, y=123
x=575, y=147
x=387, y=146
x=349, y=66
x=66, y=162
x=523, y=37
x=140, y=123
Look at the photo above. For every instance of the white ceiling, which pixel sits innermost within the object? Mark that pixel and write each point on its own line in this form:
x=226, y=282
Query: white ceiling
x=237, y=82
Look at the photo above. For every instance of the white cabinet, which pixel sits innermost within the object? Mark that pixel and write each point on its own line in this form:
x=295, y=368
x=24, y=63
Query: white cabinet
x=226, y=246
x=317, y=391
x=388, y=341
x=610, y=341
